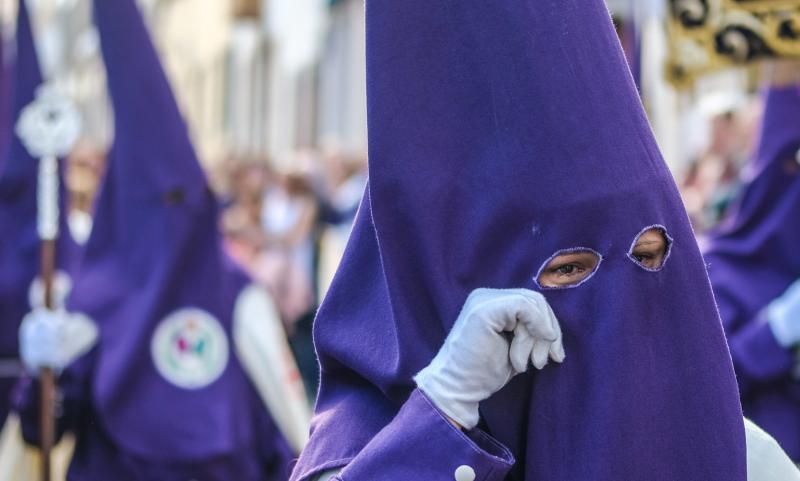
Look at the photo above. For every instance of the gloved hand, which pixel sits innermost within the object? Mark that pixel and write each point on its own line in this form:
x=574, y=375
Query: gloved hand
x=478, y=358
x=53, y=339
x=784, y=316
x=62, y=285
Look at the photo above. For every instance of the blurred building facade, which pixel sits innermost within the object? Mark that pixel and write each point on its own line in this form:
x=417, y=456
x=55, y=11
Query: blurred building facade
x=264, y=79
x=256, y=79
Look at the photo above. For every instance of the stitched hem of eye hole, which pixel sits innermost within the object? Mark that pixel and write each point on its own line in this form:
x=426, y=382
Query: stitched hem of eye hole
x=562, y=252
x=670, y=242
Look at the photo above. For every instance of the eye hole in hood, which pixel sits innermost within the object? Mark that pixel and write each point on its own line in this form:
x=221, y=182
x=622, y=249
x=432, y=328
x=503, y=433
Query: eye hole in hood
x=175, y=196
x=651, y=248
x=568, y=268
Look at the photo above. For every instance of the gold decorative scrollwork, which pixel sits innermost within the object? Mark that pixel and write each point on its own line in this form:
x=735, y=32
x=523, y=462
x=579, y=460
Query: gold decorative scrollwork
x=708, y=35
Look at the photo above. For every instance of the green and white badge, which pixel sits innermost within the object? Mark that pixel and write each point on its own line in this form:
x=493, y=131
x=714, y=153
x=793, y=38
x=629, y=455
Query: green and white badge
x=190, y=348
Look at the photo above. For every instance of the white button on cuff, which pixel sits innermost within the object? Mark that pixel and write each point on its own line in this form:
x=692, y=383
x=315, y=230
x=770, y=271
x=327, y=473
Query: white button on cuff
x=465, y=473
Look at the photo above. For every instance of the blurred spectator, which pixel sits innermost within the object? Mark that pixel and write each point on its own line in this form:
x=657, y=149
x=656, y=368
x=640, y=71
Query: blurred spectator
x=85, y=168
x=288, y=215
x=347, y=178
x=712, y=179
x=289, y=229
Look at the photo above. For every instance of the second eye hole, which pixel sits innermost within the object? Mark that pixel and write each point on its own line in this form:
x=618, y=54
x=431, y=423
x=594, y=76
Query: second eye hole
x=651, y=248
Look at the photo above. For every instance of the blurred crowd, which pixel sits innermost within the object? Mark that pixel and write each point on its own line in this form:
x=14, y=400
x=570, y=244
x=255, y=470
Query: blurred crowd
x=288, y=229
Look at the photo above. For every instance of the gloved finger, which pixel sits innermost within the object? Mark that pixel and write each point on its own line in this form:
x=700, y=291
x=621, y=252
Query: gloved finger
x=546, y=313
x=551, y=316
x=80, y=335
x=557, y=350
x=538, y=322
x=498, y=311
x=521, y=347
x=541, y=349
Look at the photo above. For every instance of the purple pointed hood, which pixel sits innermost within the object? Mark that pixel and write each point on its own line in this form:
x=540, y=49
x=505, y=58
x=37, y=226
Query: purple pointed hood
x=154, y=256
x=19, y=242
x=759, y=238
x=501, y=133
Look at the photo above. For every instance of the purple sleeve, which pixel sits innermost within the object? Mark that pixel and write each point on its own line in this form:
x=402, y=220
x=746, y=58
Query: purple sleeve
x=72, y=399
x=421, y=443
x=757, y=356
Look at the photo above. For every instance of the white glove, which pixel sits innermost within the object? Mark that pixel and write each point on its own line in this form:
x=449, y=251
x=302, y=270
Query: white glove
x=784, y=316
x=53, y=339
x=62, y=285
x=766, y=460
x=327, y=475
x=478, y=357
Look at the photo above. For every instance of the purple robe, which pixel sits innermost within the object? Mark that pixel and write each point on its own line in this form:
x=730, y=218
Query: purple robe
x=499, y=134
x=752, y=260
x=157, y=399
x=19, y=239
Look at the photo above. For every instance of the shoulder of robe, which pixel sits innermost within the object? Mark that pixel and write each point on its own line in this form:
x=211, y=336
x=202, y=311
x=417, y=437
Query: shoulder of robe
x=766, y=460
x=261, y=345
x=252, y=305
x=257, y=327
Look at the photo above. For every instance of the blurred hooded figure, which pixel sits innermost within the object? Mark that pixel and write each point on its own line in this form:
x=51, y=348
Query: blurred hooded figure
x=754, y=268
x=189, y=375
x=84, y=172
x=518, y=211
x=20, y=289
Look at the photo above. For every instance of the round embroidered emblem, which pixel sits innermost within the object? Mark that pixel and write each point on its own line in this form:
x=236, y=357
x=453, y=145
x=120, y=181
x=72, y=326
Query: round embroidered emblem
x=190, y=348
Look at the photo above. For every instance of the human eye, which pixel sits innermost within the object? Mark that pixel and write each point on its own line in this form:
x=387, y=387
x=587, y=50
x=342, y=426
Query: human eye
x=650, y=248
x=647, y=255
x=648, y=259
x=568, y=268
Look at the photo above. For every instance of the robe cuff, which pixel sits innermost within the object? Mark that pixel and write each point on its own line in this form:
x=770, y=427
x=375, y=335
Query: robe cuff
x=757, y=356
x=421, y=443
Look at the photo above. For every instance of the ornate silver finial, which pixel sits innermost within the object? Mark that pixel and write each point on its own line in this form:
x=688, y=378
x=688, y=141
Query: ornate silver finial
x=50, y=125
x=49, y=128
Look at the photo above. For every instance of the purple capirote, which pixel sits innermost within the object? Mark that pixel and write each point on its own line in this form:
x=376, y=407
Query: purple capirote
x=155, y=250
x=19, y=239
x=500, y=133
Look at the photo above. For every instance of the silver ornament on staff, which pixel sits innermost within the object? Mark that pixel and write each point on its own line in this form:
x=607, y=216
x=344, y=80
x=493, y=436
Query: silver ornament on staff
x=49, y=128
